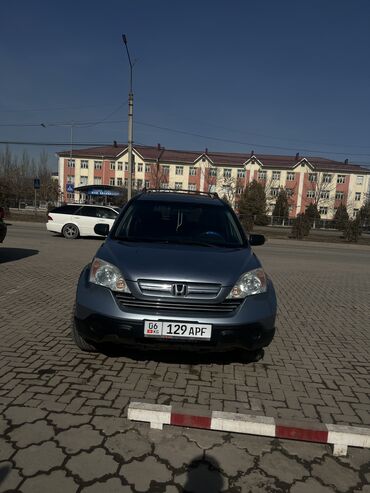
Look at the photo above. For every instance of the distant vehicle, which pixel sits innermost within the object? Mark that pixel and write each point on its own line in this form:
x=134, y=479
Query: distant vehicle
x=3, y=227
x=75, y=220
x=176, y=270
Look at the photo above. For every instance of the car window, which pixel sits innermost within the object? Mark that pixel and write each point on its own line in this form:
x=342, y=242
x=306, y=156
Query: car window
x=66, y=209
x=89, y=211
x=106, y=213
x=180, y=222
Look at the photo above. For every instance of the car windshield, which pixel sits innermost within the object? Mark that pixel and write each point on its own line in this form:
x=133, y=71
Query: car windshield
x=179, y=222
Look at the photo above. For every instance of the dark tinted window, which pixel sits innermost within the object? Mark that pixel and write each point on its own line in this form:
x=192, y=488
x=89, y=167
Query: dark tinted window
x=107, y=213
x=66, y=209
x=89, y=211
x=181, y=222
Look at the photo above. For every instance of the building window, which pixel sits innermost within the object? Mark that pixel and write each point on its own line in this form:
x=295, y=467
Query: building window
x=239, y=190
x=326, y=178
x=323, y=210
x=339, y=195
x=119, y=182
x=147, y=183
x=262, y=175
x=241, y=173
x=84, y=164
x=164, y=186
x=83, y=180
x=166, y=169
x=310, y=194
x=192, y=171
x=139, y=184
x=119, y=166
x=147, y=168
x=212, y=172
x=71, y=163
x=192, y=187
x=140, y=167
x=227, y=173
x=125, y=182
x=290, y=176
x=276, y=175
x=70, y=179
x=112, y=165
x=97, y=180
x=289, y=192
x=359, y=180
x=324, y=195
x=178, y=185
x=98, y=164
x=312, y=177
x=358, y=196
x=179, y=170
x=126, y=166
x=70, y=196
x=355, y=212
x=341, y=179
x=274, y=192
x=111, y=181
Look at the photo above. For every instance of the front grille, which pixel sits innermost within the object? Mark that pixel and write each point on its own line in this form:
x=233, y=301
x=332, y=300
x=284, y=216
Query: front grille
x=166, y=289
x=129, y=301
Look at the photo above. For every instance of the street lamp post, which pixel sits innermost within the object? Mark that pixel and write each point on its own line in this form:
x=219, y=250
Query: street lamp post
x=130, y=123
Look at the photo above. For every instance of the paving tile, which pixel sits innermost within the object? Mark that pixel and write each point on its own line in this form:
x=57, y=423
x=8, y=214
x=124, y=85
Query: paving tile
x=128, y=445
x=65, y=421
x=20, y=415
x=113, y=485
x=55, y=482
x=39, y=458
x=231, y=459
x=79, y=438
x=9, y=477
x=31, y=433
x=177, y=452
x=6, y=449
x=276, y=464
x=257, y=482
x=333, y=473
x=92, y=465
x=310, y=485
x=201, y=474
x=140, y=474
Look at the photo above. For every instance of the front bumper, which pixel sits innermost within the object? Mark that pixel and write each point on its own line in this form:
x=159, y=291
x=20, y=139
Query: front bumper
x=100, y=319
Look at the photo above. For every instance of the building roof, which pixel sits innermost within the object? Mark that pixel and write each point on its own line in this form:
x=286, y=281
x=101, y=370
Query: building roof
x=168, y=156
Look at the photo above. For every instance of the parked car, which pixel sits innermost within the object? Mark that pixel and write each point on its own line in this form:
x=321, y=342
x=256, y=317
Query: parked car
x=3, y=227
x=75, y=220
x=176, y=270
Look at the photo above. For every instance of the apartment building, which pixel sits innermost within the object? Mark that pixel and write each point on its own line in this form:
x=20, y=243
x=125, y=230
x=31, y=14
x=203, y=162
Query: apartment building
x=305, y=179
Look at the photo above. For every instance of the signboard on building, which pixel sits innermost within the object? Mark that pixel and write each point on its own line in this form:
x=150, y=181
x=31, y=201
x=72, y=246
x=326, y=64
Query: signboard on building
x=98, y=191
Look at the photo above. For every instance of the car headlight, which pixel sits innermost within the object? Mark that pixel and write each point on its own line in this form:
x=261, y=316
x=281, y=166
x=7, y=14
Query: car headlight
x=252, y=282
x=105, y=274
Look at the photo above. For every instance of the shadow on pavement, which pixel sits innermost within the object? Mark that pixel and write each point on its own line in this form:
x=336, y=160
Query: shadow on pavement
x=187, y=357
x=204, y=475
x=12, y=254
x=4, y=471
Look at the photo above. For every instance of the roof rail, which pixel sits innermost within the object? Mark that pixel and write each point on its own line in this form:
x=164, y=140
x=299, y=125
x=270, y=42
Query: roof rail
x=213, y=195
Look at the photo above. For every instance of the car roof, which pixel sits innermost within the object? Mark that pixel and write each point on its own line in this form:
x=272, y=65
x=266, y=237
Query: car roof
x=190, y=198
x=92, y=205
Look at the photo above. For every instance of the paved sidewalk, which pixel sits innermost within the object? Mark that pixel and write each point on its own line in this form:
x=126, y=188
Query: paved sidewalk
x=68, y=453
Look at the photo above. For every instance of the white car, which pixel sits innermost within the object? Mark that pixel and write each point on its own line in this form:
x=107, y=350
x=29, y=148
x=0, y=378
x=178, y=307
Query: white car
x=74, y=220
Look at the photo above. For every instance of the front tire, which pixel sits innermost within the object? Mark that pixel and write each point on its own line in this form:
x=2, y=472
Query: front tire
x=70, y=232
x=80, y=342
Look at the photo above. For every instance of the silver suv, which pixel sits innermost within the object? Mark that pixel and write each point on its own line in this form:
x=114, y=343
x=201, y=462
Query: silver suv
x=176, y=270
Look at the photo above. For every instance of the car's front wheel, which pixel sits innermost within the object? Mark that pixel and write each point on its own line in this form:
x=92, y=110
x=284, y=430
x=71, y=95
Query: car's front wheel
x=70, y=231
x=79, y=340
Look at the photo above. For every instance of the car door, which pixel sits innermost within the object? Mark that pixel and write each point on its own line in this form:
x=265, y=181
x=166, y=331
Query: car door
x=107, y=216
x=86, y=219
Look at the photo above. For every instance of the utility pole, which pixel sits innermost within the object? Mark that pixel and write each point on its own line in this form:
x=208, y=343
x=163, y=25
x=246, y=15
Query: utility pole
x=130, y=123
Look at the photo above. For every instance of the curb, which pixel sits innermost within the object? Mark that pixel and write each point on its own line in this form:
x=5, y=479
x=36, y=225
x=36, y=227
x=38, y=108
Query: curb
x=341, y=437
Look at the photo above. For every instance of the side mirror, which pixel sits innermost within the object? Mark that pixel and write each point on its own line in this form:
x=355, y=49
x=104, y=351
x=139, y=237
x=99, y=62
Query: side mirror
x=101, y=229
x=255, y=240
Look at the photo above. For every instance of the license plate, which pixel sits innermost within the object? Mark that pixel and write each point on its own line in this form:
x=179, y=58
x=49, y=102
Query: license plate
x=169, y=330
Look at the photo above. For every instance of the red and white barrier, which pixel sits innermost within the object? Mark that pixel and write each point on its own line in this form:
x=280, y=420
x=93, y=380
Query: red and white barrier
x=341, y=437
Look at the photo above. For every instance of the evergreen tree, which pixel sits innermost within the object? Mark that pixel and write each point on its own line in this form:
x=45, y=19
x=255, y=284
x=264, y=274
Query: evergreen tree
x=252, y=206
x=312, y=213
x=281, y=208
x=301, y=226
x=341, y=217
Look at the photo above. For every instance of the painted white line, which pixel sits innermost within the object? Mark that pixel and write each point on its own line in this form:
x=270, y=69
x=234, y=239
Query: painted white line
x=243, y=423
x=155, y=414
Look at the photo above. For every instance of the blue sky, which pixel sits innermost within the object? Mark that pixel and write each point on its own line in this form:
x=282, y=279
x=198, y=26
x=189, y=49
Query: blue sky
x=273, y=76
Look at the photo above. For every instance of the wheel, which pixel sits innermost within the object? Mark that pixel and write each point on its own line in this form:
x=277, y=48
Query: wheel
x=70, y=231
x=80, y=341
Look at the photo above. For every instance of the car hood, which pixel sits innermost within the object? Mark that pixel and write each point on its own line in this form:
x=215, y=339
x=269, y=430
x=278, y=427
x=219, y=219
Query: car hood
x=171, y=262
